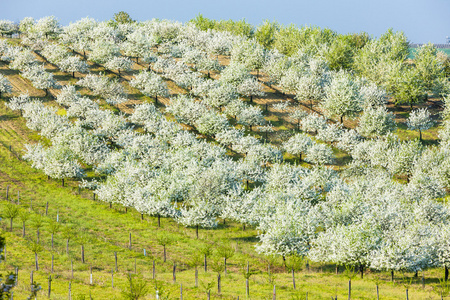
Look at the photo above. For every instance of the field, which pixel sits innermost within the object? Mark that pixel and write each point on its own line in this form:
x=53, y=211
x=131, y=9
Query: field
x=88, y=249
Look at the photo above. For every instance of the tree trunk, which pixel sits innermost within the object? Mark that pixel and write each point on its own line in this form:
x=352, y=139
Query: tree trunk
x=361, y=270
x=73, y=74
x=206, y=265
x=225, y=265
x=38, y=235
x=174, y=276
x=196, y=231
x=62, y=182
x=52, y=240
x=293, y=278
x=164, y=253
x=420, y=135
x=67, y=247
x=218, y=283
x=159, y=221
x=446, y=273
x=154, y=270
x=36, y=261
x=82, y=254
x=342, y=119
x=247, y=288
x=337, y=269
x=23, y=229
x=156, y=99
x=196, y=277
x=349, y=289
x=392, y=275
x=11, y=224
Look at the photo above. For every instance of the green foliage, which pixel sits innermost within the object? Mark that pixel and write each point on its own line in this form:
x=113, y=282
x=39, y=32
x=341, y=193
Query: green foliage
x=410, y=89
x=207, y=287
x=195, y=260
x=240, y=27
x=350, y=272
x=429, y=67
x=225, y=251
x=165, y=239
x=266, y=32
x=162, y=291
x=11, y=211
x=203, y=23
x=295, y=262
x=137, y=288
x=37, y=221
x=443, y=288
x=206, y=249
x=122, y=18
x=286, y=40
x=35, y=247
x=217, y=264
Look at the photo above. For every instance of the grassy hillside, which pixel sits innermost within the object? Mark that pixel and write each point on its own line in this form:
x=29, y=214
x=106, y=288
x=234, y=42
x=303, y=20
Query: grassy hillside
x=103, y=231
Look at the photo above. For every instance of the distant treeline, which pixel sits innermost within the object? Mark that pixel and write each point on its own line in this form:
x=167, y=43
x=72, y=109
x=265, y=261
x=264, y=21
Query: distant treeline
x=439, y=46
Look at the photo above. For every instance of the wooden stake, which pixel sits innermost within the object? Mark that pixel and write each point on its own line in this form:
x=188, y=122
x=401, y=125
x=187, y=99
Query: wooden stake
x=46, y=209
x=129, y=246
x=173, y=273
x=196, y=277
x=349, y=289
x=115, y=257
x=154, y=270
x=49, y=285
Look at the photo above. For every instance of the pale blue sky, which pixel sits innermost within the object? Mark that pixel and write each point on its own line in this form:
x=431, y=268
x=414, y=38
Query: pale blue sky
x=422, y=20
